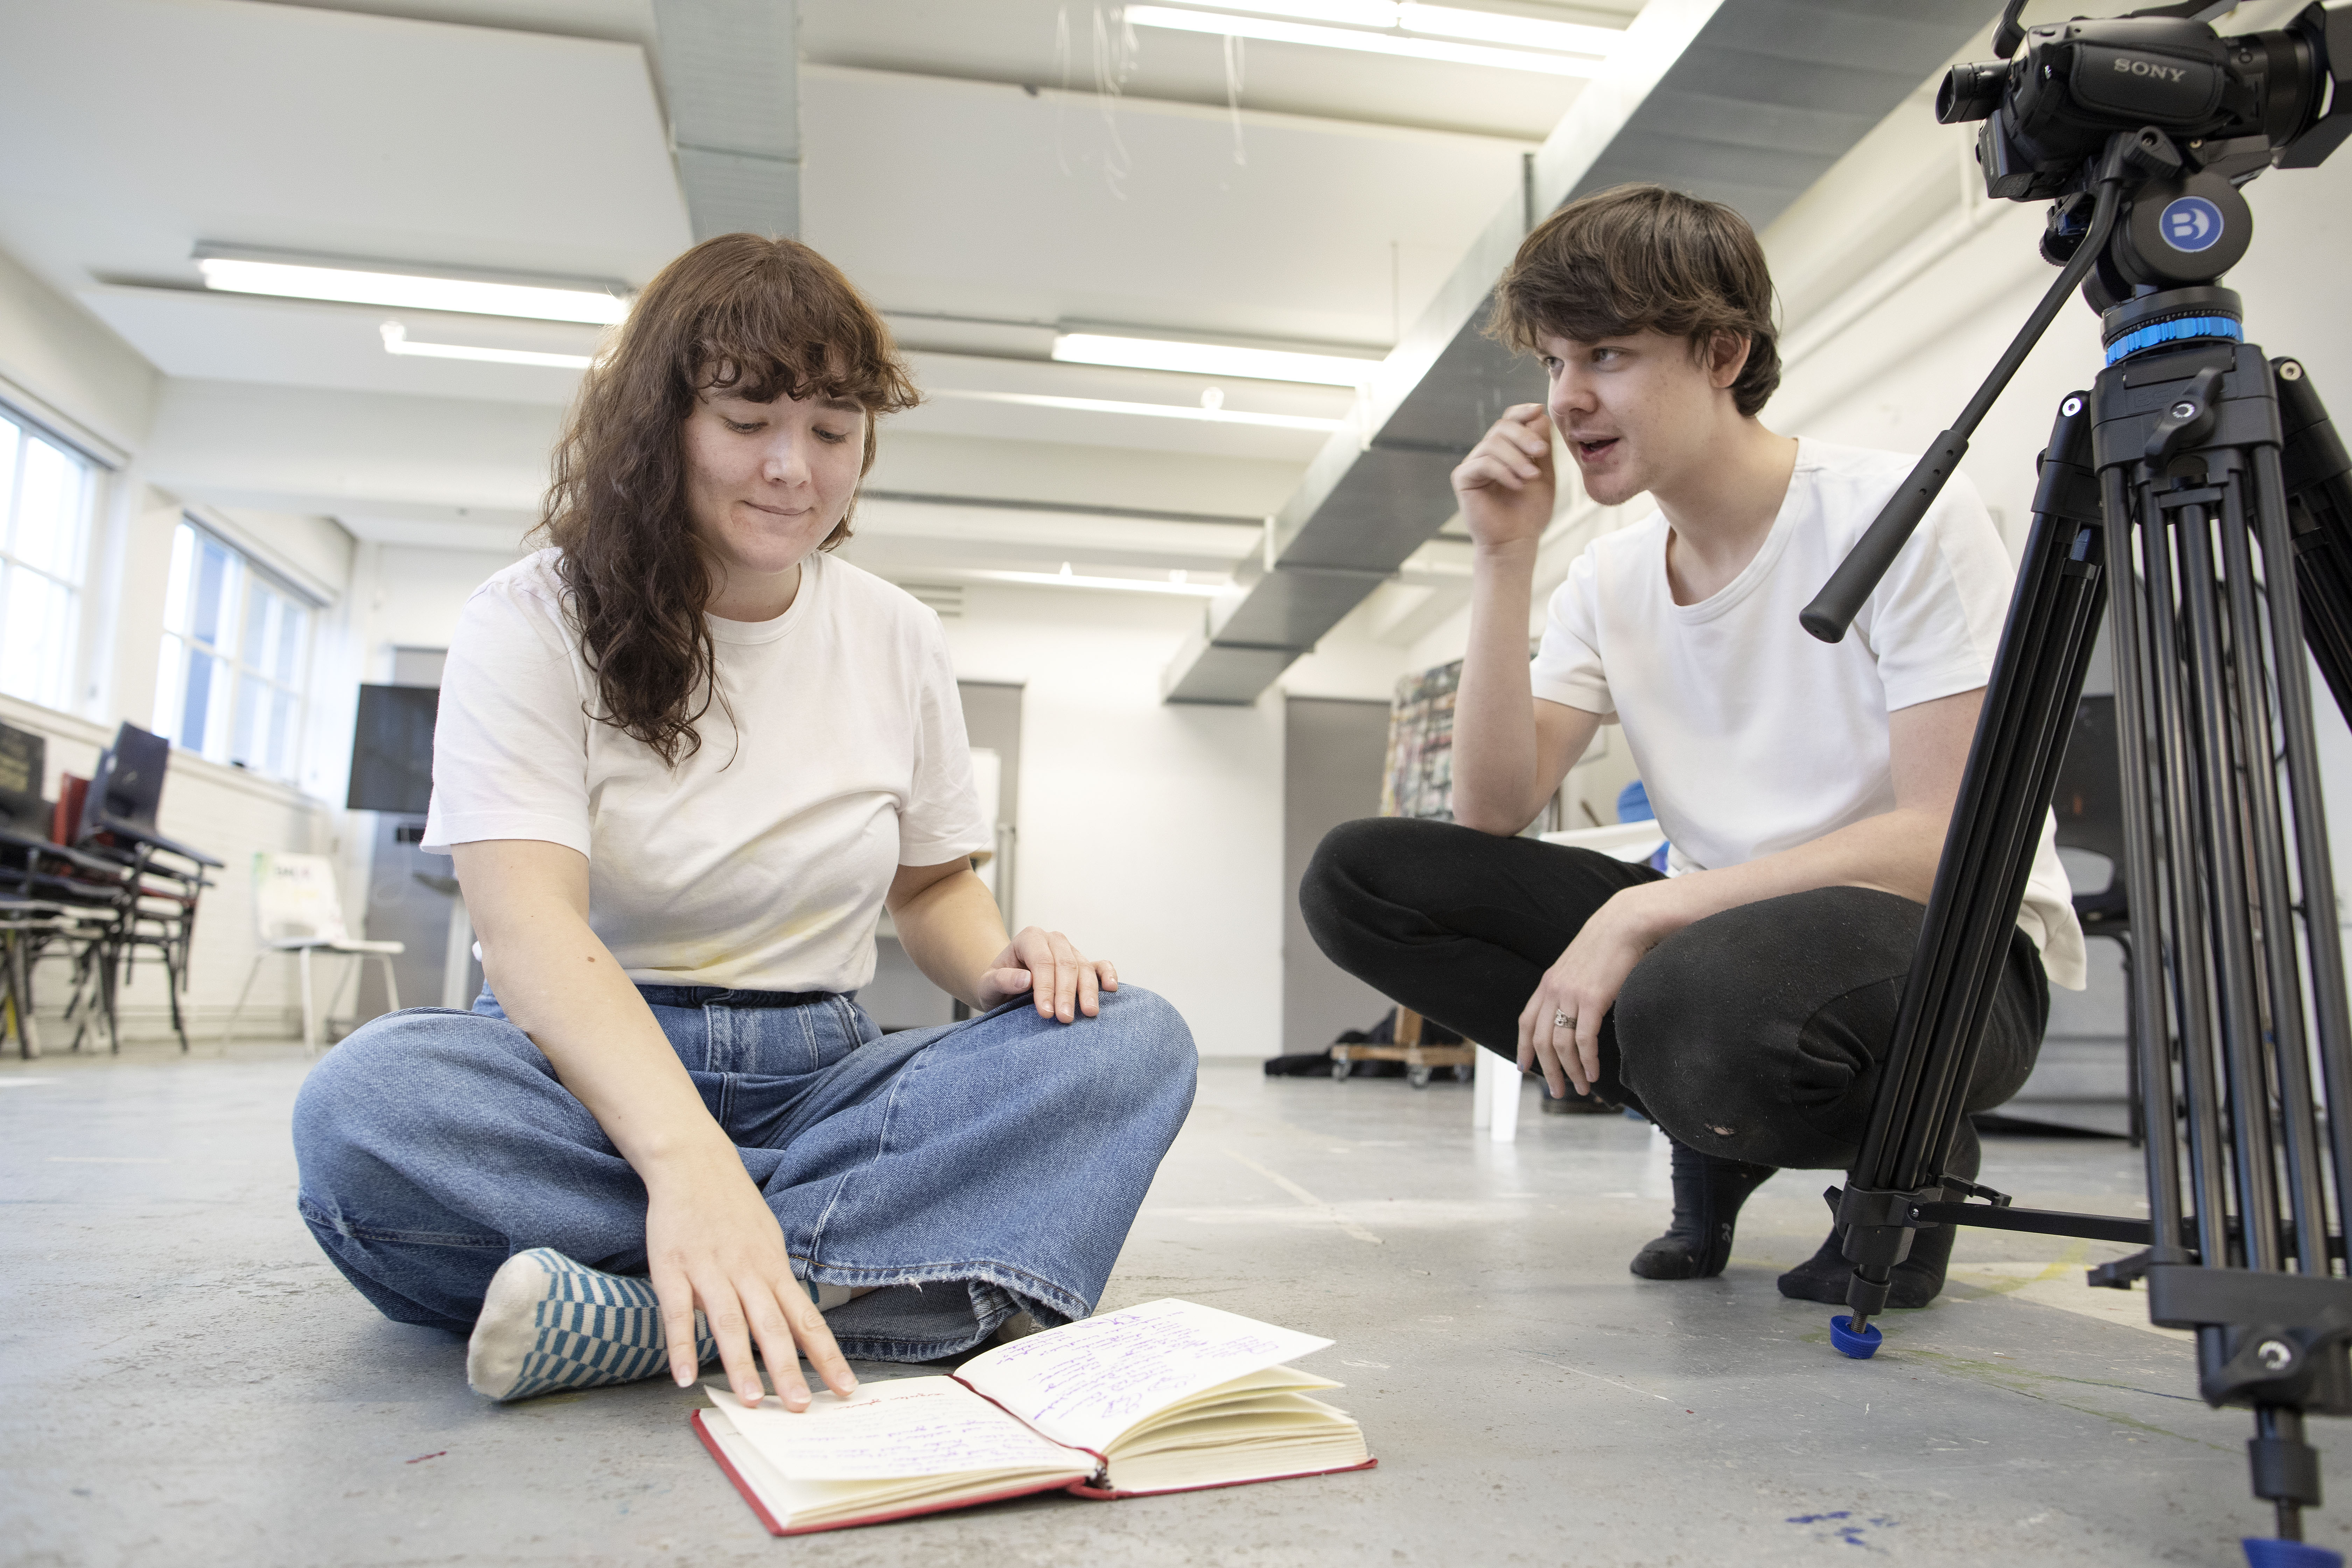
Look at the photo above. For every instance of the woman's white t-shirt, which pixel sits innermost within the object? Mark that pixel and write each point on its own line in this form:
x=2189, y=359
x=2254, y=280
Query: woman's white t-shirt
x=1753, y=737
x=760, y=862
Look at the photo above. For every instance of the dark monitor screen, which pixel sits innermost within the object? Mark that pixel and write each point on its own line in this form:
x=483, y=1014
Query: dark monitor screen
x=392, y=754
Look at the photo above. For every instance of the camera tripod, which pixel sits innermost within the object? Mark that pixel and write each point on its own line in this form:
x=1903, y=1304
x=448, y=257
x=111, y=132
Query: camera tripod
x=2198, y=497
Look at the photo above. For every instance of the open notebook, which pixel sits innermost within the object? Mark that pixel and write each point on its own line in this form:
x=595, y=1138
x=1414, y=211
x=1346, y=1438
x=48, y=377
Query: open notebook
x=1164, y=1397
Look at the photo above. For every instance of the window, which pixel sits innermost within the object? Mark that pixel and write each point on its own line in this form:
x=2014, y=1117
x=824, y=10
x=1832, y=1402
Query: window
x=45, y=503
x=235, y=641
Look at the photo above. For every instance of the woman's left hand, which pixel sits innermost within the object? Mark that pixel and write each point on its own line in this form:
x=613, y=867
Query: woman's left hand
x=1047, y=965
x=1580, y=988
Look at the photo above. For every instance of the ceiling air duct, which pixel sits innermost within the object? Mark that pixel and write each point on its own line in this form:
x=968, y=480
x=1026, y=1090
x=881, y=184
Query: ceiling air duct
x=730, y=80
x=1743, y=102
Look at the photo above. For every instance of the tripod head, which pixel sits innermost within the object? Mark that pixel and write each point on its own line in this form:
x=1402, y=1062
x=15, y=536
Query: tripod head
x=2139, y=129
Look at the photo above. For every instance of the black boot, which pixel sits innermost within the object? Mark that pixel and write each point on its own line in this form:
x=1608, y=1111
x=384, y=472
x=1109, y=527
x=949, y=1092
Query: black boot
x=1918, y=1278
x=1708, y=1192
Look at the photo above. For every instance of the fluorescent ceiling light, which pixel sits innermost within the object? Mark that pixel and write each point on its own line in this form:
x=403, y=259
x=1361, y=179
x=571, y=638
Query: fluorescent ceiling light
x=1065, y=579
x=1212, y=359
x=396, y=342
x=356, y=285
x=1390, y=40
x=1146, y=410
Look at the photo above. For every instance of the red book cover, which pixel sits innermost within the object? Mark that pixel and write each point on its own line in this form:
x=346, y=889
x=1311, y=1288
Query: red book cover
x=776, y=1527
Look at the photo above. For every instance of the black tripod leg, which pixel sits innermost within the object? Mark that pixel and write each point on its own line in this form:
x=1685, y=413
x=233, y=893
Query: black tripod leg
x=2226, y=759
x=2317, y=476
x=2230, y=763
x=2148, y=1021
x=2165, y=775
x=1988, y=849
x=2305, y=506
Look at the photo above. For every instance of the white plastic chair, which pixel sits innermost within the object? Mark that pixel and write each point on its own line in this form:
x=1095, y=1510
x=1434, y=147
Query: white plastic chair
x=296, y=909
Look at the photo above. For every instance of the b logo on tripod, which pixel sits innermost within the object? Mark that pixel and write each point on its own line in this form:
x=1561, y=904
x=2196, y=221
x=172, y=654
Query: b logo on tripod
x=2191, y=223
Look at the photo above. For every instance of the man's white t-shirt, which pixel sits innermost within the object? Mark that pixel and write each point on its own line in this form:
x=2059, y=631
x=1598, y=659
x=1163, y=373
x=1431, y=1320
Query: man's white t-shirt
x=760, y=862
x=1753, y=737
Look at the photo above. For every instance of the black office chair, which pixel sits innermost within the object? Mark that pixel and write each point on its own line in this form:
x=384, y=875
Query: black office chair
x=2089, y=806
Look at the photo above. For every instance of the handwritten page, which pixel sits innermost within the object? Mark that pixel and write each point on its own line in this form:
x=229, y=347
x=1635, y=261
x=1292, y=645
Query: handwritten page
x=1085, y=1383
x=912, y=1426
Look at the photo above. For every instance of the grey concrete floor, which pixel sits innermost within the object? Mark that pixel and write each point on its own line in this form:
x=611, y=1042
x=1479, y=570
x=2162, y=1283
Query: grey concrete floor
x=187, y=1381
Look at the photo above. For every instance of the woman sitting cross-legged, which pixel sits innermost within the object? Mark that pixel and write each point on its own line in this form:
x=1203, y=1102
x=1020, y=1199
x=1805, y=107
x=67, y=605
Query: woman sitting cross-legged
x=684, y=760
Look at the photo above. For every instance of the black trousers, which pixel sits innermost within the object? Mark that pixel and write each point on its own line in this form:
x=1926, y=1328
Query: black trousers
x=1757, y=1033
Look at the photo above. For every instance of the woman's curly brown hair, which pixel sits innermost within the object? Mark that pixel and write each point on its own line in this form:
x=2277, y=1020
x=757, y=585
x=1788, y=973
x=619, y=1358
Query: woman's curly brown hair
x=741, y=314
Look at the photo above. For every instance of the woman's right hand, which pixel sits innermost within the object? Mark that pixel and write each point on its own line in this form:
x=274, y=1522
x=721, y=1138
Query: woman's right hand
x=713, y=1243
x=1506, y=486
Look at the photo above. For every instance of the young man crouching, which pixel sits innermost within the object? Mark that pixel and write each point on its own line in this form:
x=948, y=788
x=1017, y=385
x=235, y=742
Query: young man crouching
x=1744, y=999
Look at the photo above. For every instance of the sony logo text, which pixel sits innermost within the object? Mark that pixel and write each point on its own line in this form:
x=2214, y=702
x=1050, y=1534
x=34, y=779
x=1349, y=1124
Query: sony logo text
x=2130, y=67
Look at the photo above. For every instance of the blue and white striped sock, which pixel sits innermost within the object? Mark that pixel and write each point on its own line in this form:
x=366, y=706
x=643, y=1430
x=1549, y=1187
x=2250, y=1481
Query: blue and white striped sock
x=550, y=1324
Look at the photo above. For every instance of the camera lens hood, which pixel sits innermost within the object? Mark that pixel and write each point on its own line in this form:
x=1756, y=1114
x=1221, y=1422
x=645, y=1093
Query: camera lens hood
x=1971, y=92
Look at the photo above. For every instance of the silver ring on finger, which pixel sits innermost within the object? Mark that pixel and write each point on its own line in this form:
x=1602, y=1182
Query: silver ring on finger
x=1560, y=1020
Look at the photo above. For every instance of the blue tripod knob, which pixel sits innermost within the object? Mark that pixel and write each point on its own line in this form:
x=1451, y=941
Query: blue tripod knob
x=1864, y=1345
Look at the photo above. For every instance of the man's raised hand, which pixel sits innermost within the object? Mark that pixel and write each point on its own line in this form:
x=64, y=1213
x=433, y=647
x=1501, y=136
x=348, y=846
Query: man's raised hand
x=1506, y=485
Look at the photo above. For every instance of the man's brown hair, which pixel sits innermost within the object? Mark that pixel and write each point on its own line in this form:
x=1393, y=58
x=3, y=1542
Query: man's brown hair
x=1644, y=259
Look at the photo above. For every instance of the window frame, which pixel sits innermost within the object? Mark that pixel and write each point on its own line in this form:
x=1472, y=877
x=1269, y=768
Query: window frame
x=226, y=717
x=70, y=637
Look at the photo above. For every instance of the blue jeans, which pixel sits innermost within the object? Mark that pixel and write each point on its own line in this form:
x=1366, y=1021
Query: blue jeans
x=969, y=1172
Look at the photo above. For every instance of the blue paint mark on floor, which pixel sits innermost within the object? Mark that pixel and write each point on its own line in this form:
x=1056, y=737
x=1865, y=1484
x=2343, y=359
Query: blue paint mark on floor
x=1845, y=1527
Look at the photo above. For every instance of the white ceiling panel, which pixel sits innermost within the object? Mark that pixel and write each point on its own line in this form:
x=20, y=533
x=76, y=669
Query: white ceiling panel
x=948, y=373
x=285, y=448
x=1080, y=476
x=1058, y=43
x=130, y=130
x=950, y=381
x=305, y=343
x=977, y=199
x=628, y=21
x=499, y=533
x=893, y=536
x=1075, y=427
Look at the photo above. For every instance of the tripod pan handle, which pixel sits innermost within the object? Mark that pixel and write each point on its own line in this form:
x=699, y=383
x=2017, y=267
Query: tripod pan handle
x=1851, y=585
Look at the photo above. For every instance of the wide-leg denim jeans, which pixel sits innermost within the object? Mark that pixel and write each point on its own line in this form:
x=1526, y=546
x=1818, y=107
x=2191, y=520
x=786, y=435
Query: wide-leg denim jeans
x=973, y=1171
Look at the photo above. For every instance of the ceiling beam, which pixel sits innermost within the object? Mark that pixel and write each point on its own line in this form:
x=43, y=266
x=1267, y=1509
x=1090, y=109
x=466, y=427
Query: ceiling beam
x=1743, y=102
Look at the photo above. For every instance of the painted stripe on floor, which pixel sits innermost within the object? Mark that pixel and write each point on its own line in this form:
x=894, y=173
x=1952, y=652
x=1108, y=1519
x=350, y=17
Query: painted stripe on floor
x=1330, y=1212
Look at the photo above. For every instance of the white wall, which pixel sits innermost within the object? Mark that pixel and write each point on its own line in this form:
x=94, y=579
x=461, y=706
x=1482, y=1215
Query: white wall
x=1151, y=833
x=55, y=351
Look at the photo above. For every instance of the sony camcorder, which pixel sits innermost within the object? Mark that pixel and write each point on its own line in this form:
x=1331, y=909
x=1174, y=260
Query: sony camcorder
x=2233, y=106
x=2250, y=101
